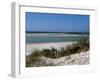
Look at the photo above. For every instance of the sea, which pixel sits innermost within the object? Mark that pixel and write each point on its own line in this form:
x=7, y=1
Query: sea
x=53, y=37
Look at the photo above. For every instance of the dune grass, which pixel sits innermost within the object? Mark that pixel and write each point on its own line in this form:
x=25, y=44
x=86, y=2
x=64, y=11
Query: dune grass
x=82, y=45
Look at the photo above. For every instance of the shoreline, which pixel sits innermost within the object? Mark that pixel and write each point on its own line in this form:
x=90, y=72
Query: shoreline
x=41, y=46
x=44, y=34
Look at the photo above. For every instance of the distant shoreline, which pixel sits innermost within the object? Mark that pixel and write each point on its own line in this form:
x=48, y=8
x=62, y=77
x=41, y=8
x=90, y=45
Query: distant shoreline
x=59, y=32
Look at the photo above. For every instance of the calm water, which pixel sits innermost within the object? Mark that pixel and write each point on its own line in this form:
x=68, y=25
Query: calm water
x=47, y=37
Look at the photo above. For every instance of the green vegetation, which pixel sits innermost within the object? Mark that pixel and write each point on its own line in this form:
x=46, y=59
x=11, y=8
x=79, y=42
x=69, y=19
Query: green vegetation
x=82, y=45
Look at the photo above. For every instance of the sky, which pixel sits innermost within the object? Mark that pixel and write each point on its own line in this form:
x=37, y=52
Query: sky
x=51, y=22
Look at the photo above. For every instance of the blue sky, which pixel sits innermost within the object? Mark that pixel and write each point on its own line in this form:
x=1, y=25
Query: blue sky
x=56, y=22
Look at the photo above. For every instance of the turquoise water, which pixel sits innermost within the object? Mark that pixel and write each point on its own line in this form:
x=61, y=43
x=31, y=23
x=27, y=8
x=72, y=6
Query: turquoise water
x=37, y=38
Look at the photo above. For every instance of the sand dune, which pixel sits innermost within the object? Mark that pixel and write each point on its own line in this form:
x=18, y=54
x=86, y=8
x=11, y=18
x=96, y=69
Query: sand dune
x=75, y=59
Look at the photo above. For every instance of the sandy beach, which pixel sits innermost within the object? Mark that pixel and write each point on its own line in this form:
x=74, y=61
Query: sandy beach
x=78, y=58
x=41, y=46
x=82, y=58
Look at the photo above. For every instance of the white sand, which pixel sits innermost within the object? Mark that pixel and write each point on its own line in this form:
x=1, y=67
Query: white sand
x=75, y=59
x=41, y=46
x=78, y=58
